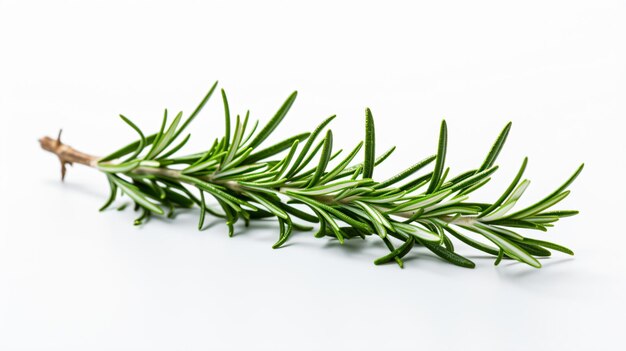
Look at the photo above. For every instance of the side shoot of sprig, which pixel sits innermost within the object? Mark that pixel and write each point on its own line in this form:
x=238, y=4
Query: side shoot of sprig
x=302, y=182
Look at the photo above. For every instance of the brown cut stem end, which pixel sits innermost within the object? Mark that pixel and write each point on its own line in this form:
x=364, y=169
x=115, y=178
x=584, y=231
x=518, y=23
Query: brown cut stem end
x=66, y=154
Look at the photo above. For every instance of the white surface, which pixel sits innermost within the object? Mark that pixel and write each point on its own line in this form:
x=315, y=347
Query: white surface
x=75, y=279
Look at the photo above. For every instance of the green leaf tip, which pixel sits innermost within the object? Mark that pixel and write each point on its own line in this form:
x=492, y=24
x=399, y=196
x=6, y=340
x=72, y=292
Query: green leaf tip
x=370, y=136
x=441, y=158
x=496, y=148
x=275, y=121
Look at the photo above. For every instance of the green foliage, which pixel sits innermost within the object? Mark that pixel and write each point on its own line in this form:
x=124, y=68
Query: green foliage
x=409, y=209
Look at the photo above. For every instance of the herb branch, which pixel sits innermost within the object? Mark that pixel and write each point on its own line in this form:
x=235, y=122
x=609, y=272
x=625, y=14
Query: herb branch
x=303, y=179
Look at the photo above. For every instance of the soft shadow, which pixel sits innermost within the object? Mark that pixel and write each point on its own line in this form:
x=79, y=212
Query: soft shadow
x=76, y=187
x=255, y=225
x=480, y=257
x=351, y=246
x=510, y=270
x=424, y=260
x=211, y=224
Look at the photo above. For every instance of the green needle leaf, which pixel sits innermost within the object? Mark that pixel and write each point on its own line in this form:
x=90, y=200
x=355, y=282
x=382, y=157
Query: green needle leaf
x=276, y=148
x=471, y=242
x=142, y=139
x=240, y=128
x=328, y=209
x=167, y=137
x=274, y=122
x=448, y=255
x=539, y=206
x=496, y=148
x=227, y=119
x=342, y=165
x=268, y=204
x=406, y=173
x=134, y=193
x=202, y=210
x=549, y=245
x=324, y=158
x=176, y=148
x=299, y=213
x=159, y=135
x=508, y=191
x=420, y=202
x=376, y=218
x=549, y=200
x=112, y=194
x=399, y=252
x=499, y=258
x=119, y=168
x=441, y=158
x=370, y=138
x=127, y=149
x=196, y=111
x=417, y=232
x=470, y=181
x=508, y=205
x=509, y=247
x=287, y=160
x=296, y=167
x=329, y=188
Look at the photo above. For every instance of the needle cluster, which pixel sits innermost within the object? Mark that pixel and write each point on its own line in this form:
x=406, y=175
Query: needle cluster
x=302, y=179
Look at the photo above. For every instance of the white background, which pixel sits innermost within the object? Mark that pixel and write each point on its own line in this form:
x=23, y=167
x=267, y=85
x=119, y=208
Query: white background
x=72, y=278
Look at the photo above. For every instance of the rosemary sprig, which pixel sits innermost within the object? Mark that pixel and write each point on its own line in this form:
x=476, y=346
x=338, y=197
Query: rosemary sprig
x=249, y=181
